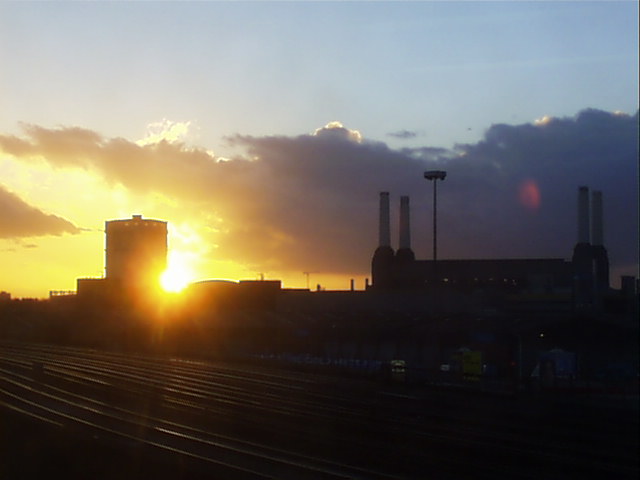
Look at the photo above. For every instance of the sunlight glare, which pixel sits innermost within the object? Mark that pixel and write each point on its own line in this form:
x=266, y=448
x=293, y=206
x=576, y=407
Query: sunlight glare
x=177, y=275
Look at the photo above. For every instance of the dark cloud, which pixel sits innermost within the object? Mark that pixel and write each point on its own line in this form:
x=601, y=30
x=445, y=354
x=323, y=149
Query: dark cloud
x=20, y=219
x=309, y=203
x=596, y=148
x=403, y=134
x=485, y=187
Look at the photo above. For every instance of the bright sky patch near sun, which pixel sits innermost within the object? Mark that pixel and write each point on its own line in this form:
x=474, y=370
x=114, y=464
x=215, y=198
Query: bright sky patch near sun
x=196, y=113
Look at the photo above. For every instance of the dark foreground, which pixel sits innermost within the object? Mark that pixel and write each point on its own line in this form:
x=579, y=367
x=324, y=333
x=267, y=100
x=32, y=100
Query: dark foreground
x=86, y=414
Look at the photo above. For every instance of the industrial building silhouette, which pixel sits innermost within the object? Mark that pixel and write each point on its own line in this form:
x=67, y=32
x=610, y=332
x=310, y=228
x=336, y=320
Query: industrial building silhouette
x=585, y=277
x=136, y=255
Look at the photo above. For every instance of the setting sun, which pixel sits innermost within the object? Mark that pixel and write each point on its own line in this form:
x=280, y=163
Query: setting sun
x=177, y=275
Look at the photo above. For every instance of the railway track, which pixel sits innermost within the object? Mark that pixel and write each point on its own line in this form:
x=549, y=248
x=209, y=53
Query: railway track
x=239, y=421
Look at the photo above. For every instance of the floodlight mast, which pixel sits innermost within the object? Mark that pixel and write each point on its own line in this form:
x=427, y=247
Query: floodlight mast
x=435, y=175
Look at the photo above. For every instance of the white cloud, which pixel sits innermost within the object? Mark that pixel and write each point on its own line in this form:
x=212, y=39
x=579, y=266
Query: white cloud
x=544, y=120
x=168, y=131
x=337, y=129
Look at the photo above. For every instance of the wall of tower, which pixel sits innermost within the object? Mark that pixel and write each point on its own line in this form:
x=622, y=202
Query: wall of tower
x=136, y=251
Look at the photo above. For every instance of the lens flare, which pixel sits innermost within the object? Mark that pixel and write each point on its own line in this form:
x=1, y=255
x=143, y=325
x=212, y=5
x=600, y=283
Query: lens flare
x=529, y=194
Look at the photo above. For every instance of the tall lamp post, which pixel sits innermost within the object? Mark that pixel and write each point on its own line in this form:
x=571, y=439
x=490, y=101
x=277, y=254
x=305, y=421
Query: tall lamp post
x=435, y=175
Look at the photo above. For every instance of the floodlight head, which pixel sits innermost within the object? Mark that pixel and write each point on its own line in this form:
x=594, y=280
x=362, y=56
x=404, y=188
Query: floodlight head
x=435, y=174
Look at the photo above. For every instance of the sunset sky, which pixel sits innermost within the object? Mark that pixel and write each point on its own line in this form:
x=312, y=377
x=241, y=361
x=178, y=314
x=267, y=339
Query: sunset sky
x=263, y=132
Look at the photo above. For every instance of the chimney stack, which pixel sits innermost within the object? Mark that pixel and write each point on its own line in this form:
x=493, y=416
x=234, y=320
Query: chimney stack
x=383, y=258
x=590, y=258
x=385, y=224
x=597, y=228
x=583, y=215
x=405, y=226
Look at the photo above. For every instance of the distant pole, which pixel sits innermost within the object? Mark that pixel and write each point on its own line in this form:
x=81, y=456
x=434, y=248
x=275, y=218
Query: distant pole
x=435, y=175
x=435, y=221
x=307, y=274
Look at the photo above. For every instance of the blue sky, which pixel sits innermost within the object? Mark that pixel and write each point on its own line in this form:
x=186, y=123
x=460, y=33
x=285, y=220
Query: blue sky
x=113, y=108
x=262, y=68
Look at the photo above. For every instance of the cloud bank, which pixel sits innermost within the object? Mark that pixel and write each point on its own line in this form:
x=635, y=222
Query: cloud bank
x=19, y=219
x=309, y=203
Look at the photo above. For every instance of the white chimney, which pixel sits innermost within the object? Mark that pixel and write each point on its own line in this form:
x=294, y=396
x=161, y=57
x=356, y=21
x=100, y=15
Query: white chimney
x=405, y=226
x=583, y=215
x=385, y=224
x=597, y=228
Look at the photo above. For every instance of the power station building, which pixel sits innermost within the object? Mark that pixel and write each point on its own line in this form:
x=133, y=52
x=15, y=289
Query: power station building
x=585, y=278
x=135, y=257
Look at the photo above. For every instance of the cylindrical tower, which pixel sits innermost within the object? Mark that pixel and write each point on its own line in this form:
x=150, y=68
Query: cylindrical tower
x=405, y=226
x=583, y=215
x=599, y=252
x=136, y=252
x=597, y=227
x=404, y=253
x=384, y=234
x=382, y=262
